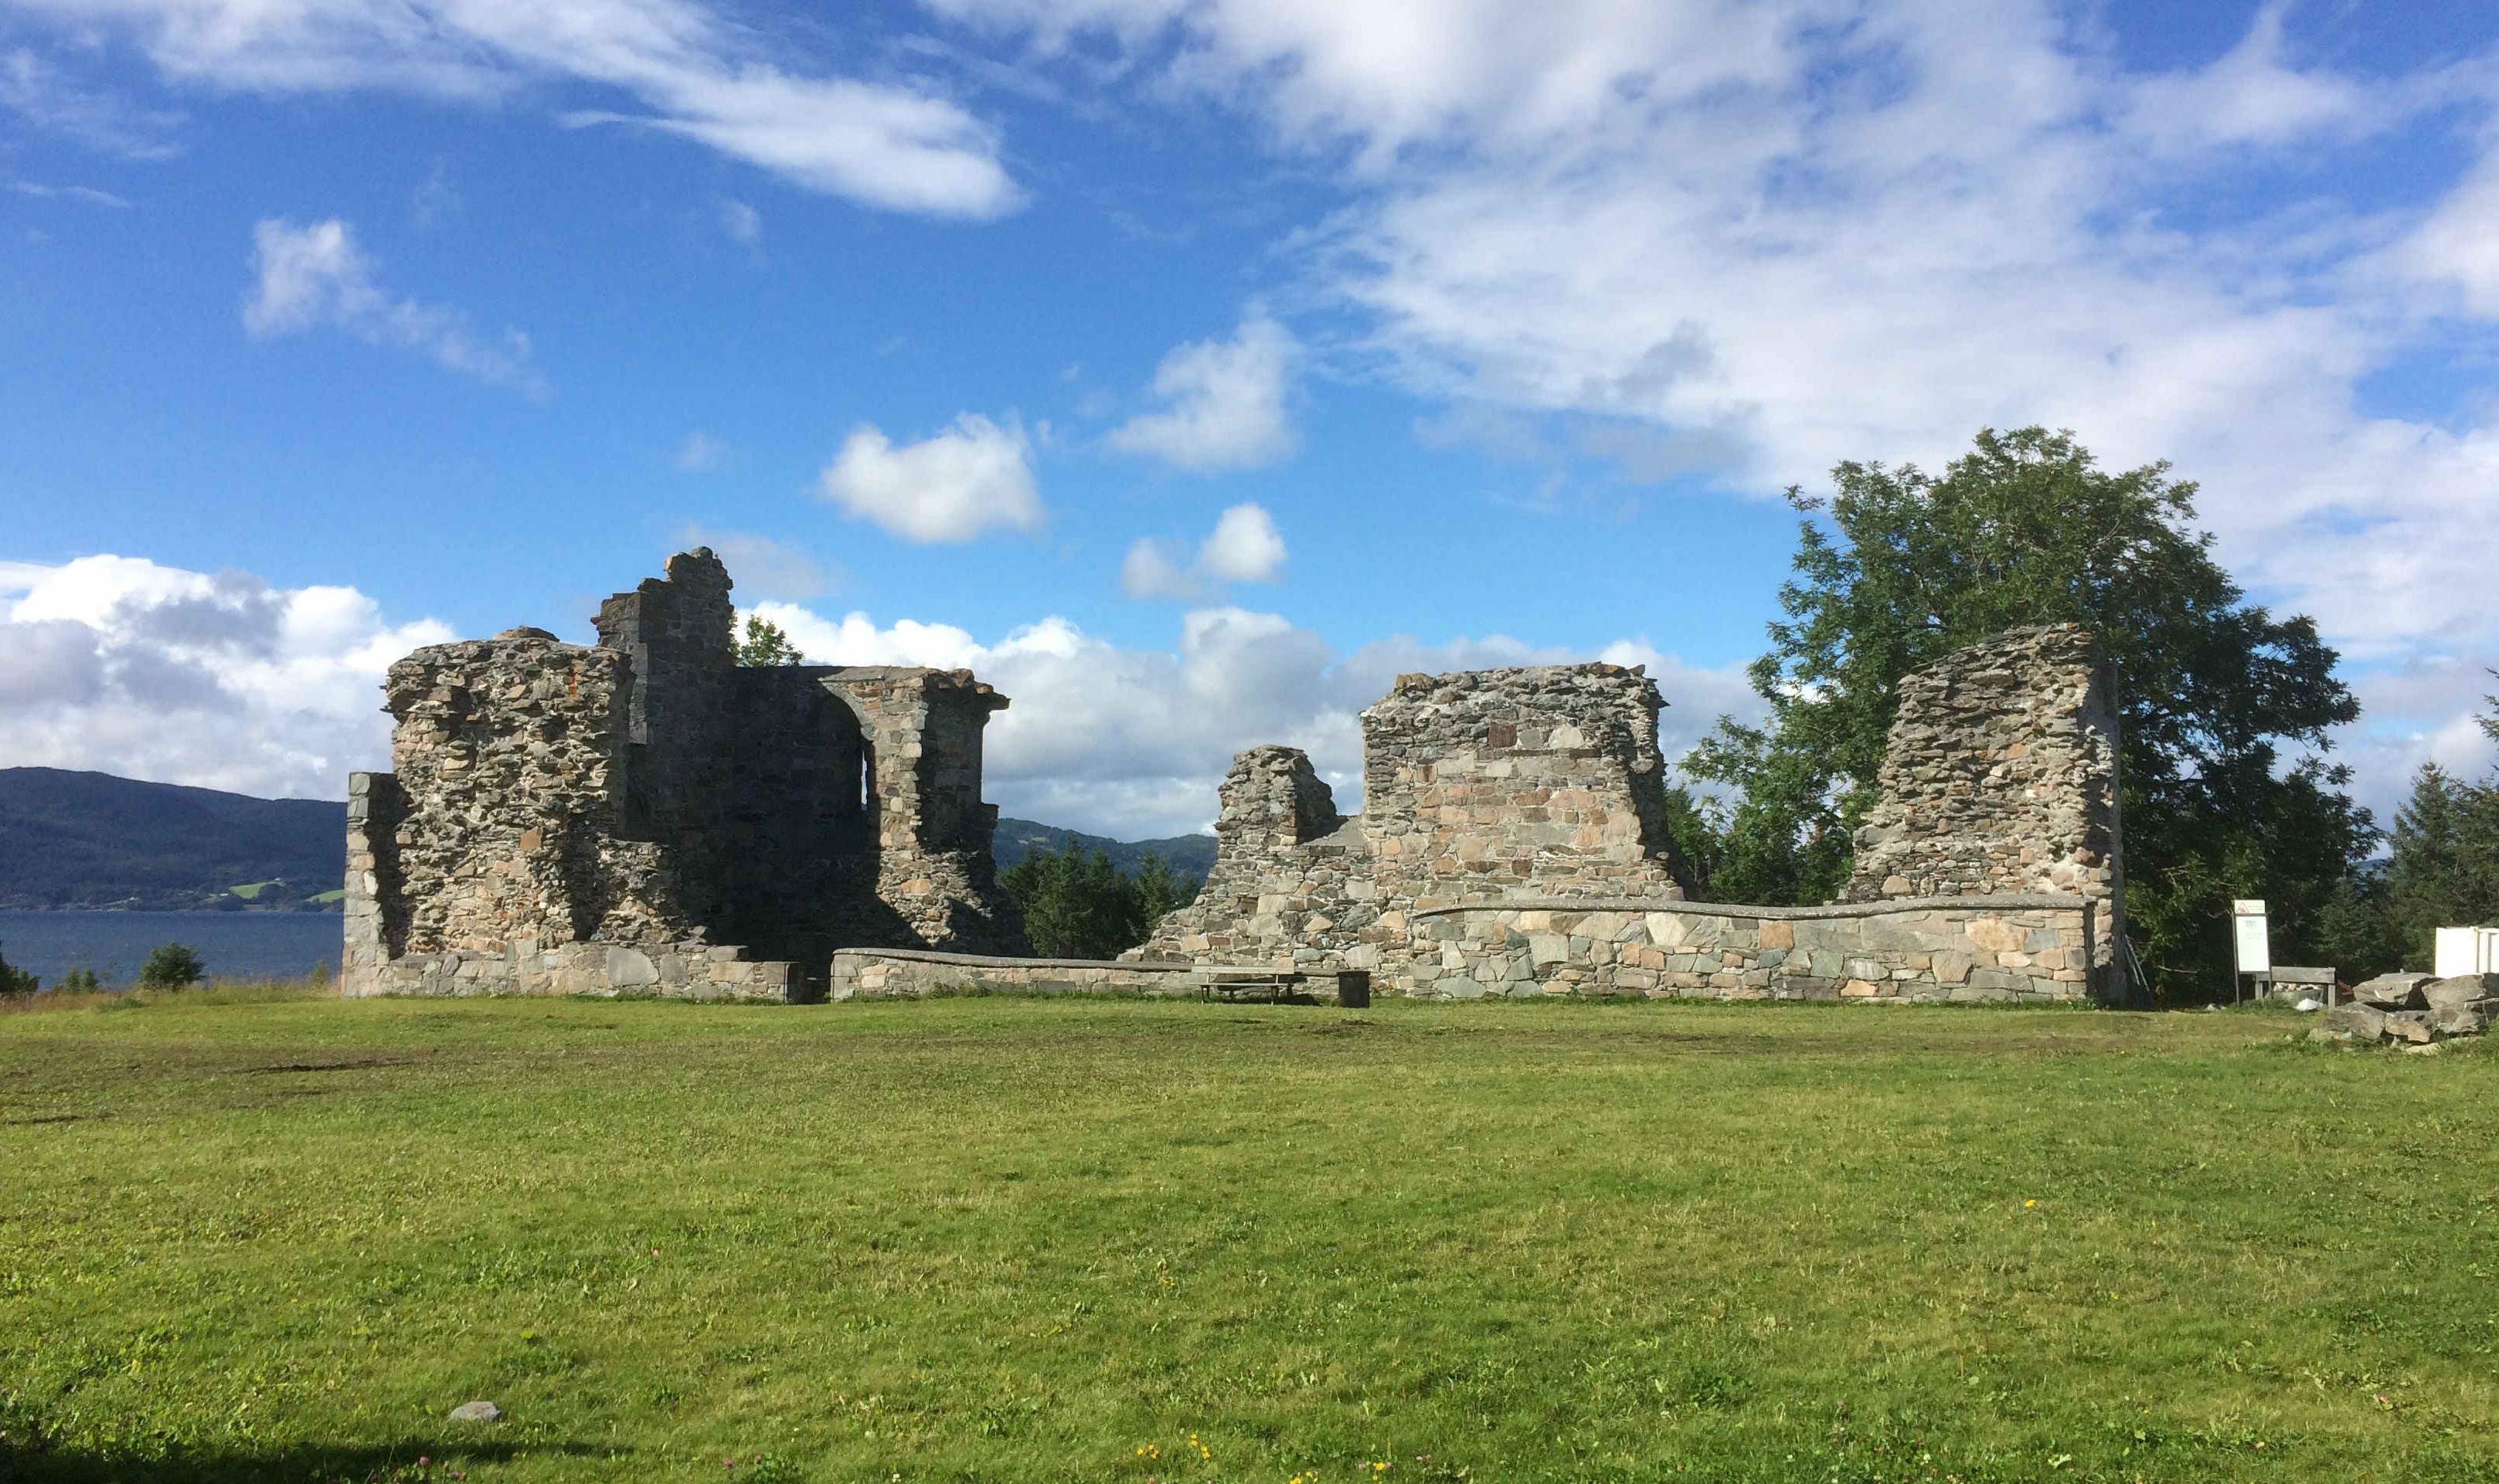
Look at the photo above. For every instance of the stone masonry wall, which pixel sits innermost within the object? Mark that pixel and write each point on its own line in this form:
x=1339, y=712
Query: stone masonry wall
x=1475, y=785
x=907, y=974
x=1494, y=781
x=2001, y=775
x=1963, y=949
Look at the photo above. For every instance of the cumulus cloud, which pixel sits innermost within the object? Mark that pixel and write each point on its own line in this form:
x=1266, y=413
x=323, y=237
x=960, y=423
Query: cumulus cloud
x=1245, y=546
x=1132, y=742
x=315, y=277
x=950, y=487
x=118, y=665
x=1222, y=404
x=689, y=70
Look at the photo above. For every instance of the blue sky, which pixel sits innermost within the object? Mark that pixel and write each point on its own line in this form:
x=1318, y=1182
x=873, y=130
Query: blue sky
x=1190, y=369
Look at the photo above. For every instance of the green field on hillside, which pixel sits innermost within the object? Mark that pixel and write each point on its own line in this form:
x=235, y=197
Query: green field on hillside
x=1017, y=1240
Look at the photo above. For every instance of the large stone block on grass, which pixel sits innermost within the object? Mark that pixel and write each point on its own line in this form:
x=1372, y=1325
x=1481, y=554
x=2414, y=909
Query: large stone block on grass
x=2392, y=992
x=2364, y=1023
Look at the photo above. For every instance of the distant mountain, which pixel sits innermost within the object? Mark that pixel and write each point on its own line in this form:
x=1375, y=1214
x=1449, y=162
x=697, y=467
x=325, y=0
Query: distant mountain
x=93, y=840
x=1187, y=854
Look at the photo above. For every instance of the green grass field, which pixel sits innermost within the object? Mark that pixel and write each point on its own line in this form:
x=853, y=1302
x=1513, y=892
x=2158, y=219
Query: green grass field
x=1015, y=1240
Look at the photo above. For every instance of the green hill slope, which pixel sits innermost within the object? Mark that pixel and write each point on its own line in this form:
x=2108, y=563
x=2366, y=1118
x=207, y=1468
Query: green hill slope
x=93, y=840
x=71, y=839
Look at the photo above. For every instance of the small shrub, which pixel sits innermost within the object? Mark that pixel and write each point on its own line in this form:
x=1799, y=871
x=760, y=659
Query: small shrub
x=79, y=981
x=16, y=984
x=170, y=967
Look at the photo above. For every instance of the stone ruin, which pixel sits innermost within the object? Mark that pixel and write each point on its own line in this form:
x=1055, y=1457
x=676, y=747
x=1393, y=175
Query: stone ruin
x=1477, y=786
x=647, y=815
x=1514, y=841
x=1999, y=775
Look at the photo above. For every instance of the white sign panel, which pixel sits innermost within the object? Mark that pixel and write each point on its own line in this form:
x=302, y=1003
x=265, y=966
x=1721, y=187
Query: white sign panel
x=2249, y=946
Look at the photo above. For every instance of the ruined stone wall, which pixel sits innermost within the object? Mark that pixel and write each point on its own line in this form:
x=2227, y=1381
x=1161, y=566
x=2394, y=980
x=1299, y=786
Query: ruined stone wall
x=687, y=825
x=1476, y=784
x=2001, y=775
x=1492, y=781
x=932, y=832
x=1292, y=879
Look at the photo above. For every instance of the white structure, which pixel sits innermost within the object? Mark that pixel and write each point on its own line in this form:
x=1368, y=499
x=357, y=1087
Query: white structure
x=2467, y=951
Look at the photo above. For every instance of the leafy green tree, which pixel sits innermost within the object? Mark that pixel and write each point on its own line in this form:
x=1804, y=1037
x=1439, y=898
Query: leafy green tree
x=1078, y=905
x=766, y=645
x=1898, y=567
x=79, y=981
x=15, y=983
x=170, y=967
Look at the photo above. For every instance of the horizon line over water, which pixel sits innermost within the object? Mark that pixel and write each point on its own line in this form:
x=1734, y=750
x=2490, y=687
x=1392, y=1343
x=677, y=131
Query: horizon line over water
x=231, y=945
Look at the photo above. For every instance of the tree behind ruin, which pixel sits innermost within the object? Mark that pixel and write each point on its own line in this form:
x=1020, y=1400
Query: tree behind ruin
x=2225, y=708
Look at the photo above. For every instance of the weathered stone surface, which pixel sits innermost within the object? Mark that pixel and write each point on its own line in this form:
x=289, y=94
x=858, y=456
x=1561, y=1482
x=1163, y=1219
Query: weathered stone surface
x=2001, y=775
x=899, y=972
x=2458, y=990
x=2366, y=1021
x=477, y=1411
x=2392, y=992
x=618, y=818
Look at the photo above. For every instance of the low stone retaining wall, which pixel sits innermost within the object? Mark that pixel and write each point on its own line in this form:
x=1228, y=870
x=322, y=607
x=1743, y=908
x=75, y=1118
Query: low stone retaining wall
x=2026, y=947
x=908, y=973
x=690, y=971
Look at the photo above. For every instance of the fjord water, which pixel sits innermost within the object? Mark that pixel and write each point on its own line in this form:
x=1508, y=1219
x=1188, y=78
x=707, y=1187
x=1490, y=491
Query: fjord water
x=234, y=945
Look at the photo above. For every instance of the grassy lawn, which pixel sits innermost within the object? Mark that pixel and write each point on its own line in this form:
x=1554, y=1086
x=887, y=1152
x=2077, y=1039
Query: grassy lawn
x=1011, y=1239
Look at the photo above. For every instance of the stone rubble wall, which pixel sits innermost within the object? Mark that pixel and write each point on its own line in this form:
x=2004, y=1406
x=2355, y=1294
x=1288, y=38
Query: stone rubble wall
x=2001, y=775
x=906, y=973
x=1475, y=785
x=2007, y=947
x=1497, y=781
x=933, y=834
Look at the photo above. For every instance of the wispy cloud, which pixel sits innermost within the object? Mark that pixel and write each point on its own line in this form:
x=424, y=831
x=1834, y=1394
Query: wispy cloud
x=85, y=194
x=684, y=68
x=1223, y=403
x=39, y=92
x=315, y=277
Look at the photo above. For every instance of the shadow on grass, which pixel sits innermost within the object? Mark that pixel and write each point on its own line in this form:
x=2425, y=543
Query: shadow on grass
x=31, y=1462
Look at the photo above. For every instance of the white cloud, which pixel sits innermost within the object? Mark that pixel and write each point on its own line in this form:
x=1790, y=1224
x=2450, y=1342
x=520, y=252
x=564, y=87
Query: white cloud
x=1151, y=571
x=316, y=277
x=950, y=487
x=87, y=194
x=36, y=92
x=1132, y=743
x=2456, y=247
x=118, y=665
x=1223, y=402
x=742, y=222
x=759, y=566
x=692, y=70
x=700, y=454
x=1245, y=546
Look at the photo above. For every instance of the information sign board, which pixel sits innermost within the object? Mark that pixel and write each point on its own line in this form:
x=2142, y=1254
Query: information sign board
x=2250, y=950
